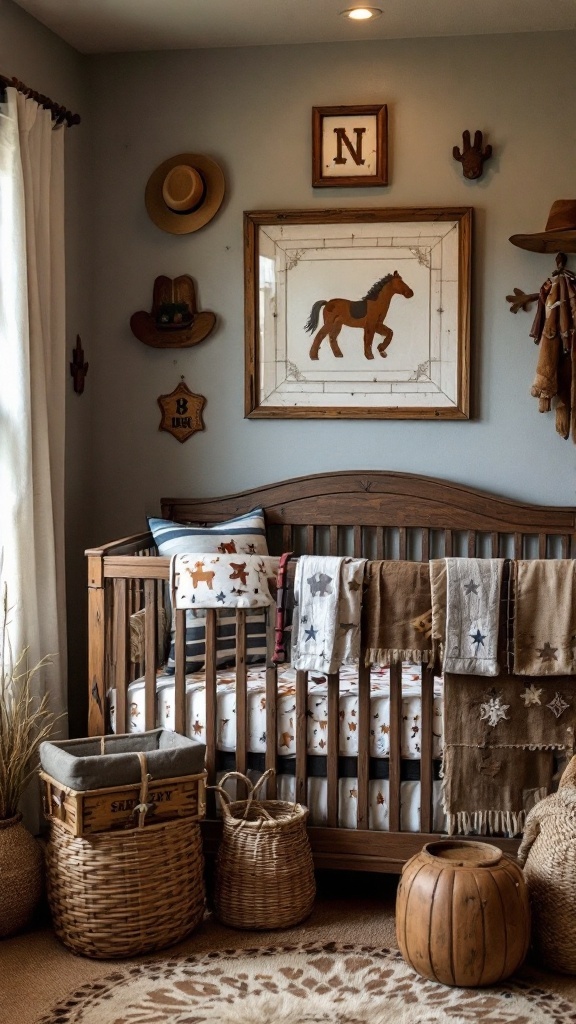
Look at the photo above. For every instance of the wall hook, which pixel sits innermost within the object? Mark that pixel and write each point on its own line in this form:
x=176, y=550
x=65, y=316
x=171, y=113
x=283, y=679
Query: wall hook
x=78, y=368
x=472, y=156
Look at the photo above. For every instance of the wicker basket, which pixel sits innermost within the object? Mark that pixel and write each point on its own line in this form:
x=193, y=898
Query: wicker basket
x=118, y=894
x=264, y=871
x=548, y=854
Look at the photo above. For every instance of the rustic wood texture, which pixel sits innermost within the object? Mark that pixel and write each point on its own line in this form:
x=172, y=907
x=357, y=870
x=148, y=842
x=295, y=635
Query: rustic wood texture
x=462, y=913
x=380, y=177
x=86, y=812
x=372, y=513
x=255, y=219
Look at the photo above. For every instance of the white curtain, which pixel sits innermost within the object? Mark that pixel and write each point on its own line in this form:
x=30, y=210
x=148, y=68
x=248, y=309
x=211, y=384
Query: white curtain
x=32, y=388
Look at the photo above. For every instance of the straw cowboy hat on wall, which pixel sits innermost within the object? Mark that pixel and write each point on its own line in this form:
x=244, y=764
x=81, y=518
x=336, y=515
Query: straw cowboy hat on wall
x=560, y=233
x=184, y=193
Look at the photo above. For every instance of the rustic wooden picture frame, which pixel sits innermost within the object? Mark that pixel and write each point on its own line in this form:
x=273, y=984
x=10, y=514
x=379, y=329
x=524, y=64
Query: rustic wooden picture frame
x=350, y=146
x=398, y=345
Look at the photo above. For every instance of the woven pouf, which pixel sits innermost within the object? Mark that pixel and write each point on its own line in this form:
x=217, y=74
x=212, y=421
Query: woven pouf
x=264, y=871
x=548, y=853
x=119, y=894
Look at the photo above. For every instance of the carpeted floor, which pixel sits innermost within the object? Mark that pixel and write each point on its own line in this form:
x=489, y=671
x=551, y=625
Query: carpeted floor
x=36, y=971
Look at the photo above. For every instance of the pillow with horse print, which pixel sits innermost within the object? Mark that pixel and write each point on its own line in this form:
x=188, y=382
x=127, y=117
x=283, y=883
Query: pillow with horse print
x=244, y=534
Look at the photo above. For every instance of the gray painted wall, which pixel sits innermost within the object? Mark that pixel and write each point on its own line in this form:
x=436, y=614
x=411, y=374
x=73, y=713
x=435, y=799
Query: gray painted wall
x=250, y=109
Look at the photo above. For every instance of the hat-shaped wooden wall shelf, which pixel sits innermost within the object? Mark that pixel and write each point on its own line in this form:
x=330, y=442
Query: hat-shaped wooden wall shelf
x=174, y=321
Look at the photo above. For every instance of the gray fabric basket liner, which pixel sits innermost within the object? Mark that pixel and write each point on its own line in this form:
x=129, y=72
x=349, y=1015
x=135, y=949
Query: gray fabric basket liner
x=80, y=765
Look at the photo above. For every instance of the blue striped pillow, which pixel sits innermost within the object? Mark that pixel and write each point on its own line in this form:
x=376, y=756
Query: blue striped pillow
x=225, y=640
x=245, y=534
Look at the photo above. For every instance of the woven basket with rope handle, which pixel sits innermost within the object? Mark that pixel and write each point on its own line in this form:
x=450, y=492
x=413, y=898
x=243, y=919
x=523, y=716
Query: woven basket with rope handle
x=264, y=871
x=548, y=855
x=126, y=892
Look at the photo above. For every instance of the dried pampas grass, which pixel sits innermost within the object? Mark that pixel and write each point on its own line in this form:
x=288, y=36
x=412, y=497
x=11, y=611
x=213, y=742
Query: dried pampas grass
x=25, y=720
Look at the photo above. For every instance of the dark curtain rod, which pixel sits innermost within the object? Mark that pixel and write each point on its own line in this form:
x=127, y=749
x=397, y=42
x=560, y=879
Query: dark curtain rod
x=59, y=114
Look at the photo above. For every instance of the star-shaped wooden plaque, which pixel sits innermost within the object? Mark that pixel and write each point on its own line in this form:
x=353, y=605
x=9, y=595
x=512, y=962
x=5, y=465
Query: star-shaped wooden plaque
x=182, y=412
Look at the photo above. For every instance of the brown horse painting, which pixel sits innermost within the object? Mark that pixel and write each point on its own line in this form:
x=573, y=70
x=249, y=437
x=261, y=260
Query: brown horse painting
x=368, y=312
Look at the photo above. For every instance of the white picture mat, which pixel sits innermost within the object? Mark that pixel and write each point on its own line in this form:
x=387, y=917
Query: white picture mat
x=300, y=264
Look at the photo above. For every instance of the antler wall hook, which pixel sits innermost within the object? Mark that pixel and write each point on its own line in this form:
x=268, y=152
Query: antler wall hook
x=472, y=157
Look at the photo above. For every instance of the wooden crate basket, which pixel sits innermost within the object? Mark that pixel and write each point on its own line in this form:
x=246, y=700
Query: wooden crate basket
x=87, y=812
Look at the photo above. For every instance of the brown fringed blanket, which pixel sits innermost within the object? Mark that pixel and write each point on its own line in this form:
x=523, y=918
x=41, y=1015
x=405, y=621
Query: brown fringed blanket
x=499, y=740
x=545, y=617
x=397, y=612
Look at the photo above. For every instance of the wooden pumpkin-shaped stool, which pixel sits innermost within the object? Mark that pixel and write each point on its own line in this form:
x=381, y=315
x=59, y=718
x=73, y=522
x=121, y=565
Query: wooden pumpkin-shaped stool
x=462, y=913
x=548, y=853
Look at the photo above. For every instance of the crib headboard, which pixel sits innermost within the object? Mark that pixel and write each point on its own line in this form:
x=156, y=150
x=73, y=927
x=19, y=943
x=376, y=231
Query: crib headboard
x=380, y=514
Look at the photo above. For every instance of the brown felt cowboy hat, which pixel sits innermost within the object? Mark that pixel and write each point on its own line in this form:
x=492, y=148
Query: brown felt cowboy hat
x=184, y=192
x=560, y=233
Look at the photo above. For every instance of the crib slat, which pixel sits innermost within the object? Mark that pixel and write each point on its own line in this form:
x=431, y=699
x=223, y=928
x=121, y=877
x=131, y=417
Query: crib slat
x=402, y=543
x=425, y=557
x=494, y=545
x=333, y=748
x=380, y=542
x=426, y=776
x=301, y=736
x=357, y=541
x=150, y=652
x=333, y=540
x=180, y=672
x=395, y=736
x=241, y=701
x=542, y=539
x=287, y=542
x=471, y=544
x=363, y=733
x=448, y=543
x=121, y=647
x=310, y=540
x=211, y=709
x=271, y=755
x=565, y=546
x=518, y=553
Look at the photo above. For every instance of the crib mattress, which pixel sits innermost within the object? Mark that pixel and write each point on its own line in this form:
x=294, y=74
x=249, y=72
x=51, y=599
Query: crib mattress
x=379, y=808
x=317, y=711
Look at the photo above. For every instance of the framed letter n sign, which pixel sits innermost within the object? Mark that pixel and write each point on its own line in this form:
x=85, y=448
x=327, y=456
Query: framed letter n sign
x=349, y=146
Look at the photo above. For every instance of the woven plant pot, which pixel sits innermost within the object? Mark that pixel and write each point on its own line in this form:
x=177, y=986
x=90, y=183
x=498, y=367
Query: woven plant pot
x=118, y=894
x=548, y=854
x=21, y=875
x=264, y=871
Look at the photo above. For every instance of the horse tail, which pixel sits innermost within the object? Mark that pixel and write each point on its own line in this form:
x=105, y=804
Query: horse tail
x=312, y=322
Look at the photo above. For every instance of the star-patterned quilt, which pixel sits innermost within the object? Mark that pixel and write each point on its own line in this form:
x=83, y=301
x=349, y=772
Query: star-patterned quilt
x=499, y=739
x=545, y=617
x=326, y=619
x=472, y=615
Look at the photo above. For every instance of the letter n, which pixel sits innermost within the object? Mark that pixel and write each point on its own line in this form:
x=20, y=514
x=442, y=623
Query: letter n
x=342, y=138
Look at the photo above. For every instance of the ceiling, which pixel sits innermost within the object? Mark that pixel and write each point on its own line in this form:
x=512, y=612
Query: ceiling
x=118, y=26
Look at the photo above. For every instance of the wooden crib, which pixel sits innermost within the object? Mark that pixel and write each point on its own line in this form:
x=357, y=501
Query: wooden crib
x=372, y=514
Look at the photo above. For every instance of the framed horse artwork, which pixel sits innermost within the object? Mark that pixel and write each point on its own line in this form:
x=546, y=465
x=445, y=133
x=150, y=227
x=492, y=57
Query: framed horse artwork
x=358, y=313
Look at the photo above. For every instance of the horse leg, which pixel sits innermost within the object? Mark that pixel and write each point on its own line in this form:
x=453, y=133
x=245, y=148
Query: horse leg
x=335, y=331
x=386, y=333
x=315, y=347
x=368, y=339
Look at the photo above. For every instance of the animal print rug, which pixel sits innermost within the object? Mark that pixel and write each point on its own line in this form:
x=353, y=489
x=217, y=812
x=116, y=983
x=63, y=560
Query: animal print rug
x=307, y=984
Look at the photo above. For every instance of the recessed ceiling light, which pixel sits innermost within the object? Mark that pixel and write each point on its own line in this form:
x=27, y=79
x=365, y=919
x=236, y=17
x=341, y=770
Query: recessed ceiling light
x=362, y=13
